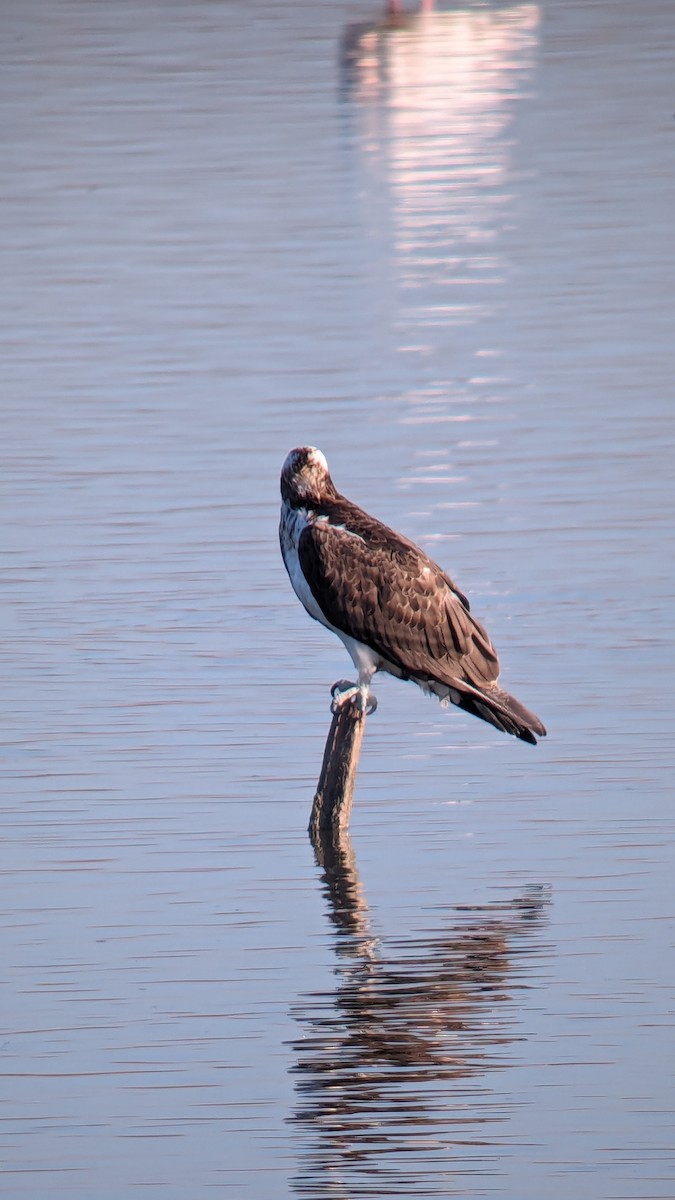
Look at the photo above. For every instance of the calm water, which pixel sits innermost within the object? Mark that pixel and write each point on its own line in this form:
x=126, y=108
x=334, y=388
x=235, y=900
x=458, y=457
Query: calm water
x=442, y=250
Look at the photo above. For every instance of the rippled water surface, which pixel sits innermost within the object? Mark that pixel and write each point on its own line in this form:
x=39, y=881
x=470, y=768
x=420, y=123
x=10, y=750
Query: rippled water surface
x=441, y=248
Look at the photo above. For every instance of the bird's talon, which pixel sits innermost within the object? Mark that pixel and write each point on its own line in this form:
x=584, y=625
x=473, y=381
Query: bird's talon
x=342, y=691
x=341, y=685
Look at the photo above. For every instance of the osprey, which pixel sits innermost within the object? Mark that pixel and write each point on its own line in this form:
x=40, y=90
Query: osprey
x=393, y=607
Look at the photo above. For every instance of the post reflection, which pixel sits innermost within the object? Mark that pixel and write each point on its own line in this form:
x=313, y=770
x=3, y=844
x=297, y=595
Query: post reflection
x=392, y=1096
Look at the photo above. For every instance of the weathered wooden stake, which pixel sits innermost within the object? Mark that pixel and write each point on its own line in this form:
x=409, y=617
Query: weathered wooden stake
x=335, y=790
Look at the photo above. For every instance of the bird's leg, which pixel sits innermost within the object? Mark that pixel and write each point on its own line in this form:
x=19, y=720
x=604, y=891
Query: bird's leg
x=368, y=699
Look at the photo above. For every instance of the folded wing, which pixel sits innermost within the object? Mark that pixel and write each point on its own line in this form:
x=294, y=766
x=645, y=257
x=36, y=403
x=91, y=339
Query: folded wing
x=387, y=593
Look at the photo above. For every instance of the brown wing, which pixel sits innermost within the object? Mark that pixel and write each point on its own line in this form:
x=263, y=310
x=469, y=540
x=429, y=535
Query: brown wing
x=385, y=592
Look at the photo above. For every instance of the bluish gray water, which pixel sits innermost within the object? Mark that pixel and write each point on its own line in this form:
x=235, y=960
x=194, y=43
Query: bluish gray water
x=442, y=250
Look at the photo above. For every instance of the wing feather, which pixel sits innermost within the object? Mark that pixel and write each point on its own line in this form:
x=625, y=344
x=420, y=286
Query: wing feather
x=381, y=589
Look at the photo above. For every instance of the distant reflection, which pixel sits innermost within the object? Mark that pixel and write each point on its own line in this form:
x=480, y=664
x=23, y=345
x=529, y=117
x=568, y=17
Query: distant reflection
x=434, y=93
x=384, y=1061
x=430, y=96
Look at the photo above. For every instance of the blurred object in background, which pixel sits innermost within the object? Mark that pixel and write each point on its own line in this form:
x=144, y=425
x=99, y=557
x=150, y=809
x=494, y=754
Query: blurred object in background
x=432, y=94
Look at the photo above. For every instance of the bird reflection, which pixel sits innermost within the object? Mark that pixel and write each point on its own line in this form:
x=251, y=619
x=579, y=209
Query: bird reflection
x=385, y=1060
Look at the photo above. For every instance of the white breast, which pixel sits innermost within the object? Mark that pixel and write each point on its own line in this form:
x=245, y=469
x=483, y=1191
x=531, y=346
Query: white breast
x=293, y=522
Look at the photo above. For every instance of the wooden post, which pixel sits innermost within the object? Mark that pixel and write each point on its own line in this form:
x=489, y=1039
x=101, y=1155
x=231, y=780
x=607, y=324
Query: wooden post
x=335, y=790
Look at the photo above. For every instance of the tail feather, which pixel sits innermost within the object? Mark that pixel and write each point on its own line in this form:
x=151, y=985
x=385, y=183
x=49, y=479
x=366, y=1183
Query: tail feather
x=501, y=710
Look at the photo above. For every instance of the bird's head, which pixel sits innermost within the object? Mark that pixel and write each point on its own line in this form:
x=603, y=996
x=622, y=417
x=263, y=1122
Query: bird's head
x=305, y=479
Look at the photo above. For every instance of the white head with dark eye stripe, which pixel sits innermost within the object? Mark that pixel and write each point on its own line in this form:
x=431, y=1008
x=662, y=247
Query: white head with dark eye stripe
x=305, y=479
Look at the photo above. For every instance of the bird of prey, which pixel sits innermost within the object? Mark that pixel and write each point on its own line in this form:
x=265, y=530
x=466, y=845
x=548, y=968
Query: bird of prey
x=393, y=607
